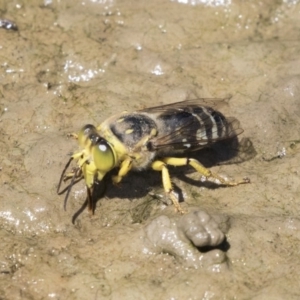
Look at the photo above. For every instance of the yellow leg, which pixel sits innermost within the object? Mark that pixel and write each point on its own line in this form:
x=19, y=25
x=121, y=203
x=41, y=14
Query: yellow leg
x=73, y=135
x=201, y=169
x=167, y=184
x=89, y=170
x=69, y=175
x=124, y=169
x=89, y=173
x=65, y=176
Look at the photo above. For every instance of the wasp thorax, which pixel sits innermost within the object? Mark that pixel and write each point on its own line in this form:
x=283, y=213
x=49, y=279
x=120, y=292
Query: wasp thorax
x=103, y=156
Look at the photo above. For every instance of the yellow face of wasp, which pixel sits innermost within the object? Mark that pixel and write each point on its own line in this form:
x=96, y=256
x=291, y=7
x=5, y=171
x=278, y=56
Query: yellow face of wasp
x=96, y=158
x=98, y=152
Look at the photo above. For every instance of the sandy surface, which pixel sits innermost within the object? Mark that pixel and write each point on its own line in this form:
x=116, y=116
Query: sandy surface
x=78, y=62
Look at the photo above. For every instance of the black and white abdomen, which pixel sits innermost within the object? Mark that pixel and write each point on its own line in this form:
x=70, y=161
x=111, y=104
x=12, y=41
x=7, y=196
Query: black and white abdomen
x=191, y=128
x=212, y=124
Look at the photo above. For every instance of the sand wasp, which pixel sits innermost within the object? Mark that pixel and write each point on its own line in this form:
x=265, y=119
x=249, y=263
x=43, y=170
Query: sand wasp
x=150, y=138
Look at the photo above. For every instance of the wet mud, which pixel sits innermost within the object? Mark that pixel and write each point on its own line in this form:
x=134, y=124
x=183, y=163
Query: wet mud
x=64, y=64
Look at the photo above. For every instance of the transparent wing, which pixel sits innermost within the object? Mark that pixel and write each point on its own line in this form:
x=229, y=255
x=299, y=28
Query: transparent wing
x=215, y=103
x=191, y=125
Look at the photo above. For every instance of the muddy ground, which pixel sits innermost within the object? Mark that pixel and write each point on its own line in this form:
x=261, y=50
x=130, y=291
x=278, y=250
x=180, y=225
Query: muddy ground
x=76, y=62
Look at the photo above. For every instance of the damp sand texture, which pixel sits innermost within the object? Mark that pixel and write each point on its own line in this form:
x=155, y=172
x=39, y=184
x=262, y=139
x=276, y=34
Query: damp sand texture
x=69, y=63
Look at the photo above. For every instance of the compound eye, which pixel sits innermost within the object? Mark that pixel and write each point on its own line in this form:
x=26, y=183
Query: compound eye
x=103, y=156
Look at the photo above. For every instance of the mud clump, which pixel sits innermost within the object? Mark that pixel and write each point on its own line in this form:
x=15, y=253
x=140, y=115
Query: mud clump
x=185, y=237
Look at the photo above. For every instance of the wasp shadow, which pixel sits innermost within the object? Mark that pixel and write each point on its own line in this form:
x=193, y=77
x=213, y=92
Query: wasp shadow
x=138, y=184
x=232, y=151
x=225, y=152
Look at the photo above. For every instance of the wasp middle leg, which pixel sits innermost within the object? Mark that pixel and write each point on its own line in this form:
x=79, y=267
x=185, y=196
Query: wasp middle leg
x=167, y=184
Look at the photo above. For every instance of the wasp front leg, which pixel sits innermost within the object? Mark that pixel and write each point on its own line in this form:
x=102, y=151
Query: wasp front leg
x=73, y=135
x=89, y=171
x=167, y=184
x=124, y=169
x=65, y=176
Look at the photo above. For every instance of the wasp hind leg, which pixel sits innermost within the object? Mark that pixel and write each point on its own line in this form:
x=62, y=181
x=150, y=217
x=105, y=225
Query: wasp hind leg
x=161, y=165
x=202, y=170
